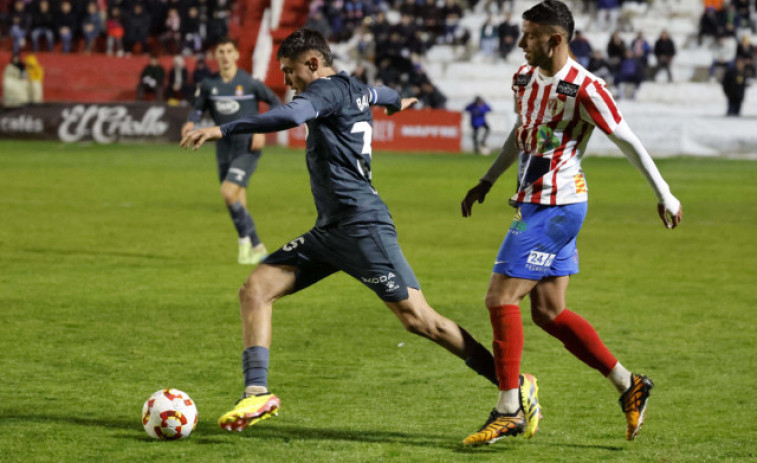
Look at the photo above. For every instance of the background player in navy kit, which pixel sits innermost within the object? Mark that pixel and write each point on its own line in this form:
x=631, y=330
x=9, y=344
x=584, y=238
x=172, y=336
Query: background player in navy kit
x=354, y=231
x=228, y=95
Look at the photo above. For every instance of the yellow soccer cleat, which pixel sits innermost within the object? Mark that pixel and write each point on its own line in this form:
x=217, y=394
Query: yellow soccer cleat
x=634, y=403
x=498, y=425
x=249, y=411
x=529, y=400
x=251, y=255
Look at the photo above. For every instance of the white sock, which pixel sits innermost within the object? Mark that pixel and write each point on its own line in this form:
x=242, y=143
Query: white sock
x=245, y=240
x=509, y=401
x=250, y=391
x=620, y=378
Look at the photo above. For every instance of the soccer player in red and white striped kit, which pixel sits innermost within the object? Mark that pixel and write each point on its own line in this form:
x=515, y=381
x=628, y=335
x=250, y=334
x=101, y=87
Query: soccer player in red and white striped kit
x=559, y=103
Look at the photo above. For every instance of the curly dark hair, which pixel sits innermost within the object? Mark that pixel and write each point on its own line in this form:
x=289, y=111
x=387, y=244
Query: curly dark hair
x=303, y=40
x=551, y=13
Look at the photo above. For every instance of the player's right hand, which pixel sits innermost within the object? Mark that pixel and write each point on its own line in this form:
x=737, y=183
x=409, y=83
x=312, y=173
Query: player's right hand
x=671, y=212
x=196, y=138
x=186, y=128
x=477, y=193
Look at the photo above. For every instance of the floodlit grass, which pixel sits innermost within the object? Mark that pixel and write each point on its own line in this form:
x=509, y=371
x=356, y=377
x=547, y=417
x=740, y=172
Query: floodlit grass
x=118, y=278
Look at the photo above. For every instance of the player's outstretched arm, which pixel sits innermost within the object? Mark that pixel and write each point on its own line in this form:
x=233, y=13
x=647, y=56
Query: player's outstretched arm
x=196, y=138
x=507, y=156
x=668, y=208
x=406, y=103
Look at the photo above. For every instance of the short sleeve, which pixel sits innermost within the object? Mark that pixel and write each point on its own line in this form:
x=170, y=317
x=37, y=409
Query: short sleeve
x=325, y=95
x=598, y=107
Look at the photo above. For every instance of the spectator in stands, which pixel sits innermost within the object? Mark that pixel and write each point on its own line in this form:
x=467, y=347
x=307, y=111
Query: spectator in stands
x=730, y=18
x=43, y=22
x=723, y=54
x=151, y=80
x=65, y=25
x=735, y=82
x=91, y=26
x=36, y=76
x=629, y=76
x=478, y=109
x=387, y=74
x=664, y=51
x=380, y=29
x=190, y=30
x=177, y=89
x=20, y=24
x=431, y=97
x=355, y=11
x=15, y=83
x=432, y=18
x=600, y=67
x=361, y=73
x=745, y=13
x=5, y=11
x=746, y=51
x=709, y=25
x=607, y=15
x=489, y=38
x=616, y=51
x=451, y=12
x=508, y=36
x=409, y=8
x=171, y=38
x=318, y=22
x=136, y=29
x=641, y=50
x=218, y=24
x=114, y=29
x=200, y=73
x=581, y=49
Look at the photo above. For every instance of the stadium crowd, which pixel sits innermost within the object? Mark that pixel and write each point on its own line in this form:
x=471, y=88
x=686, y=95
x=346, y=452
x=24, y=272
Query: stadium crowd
x=115, y=26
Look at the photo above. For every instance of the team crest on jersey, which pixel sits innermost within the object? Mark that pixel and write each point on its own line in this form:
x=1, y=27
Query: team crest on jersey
x=555, y=106
x=239, y=91
x=521, y=80
x=567, y=89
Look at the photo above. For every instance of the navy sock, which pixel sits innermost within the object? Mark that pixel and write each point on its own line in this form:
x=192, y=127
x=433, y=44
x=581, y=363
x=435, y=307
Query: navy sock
x=255, y=366
x=243, y=222
x=478, y=358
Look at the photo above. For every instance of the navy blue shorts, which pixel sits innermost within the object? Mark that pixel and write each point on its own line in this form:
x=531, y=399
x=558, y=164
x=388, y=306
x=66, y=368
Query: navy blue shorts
x=541, y=242
x=236, y=162
x=363, y=246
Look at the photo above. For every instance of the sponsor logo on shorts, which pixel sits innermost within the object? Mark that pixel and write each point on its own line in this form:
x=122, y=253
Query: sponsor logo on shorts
x=387, y=280
x=238, y=172
x=539, y=261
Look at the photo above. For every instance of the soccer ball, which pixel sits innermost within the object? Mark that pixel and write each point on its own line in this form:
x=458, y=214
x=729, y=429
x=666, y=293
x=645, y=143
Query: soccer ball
x=169, y=414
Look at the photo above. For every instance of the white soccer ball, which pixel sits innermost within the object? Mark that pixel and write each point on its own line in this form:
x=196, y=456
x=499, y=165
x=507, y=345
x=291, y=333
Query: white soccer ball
x=169, y=414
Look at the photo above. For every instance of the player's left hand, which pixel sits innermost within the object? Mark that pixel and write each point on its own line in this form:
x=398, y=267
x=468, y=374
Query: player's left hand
x=406, y=103
x=196, y=138
x=669, y=218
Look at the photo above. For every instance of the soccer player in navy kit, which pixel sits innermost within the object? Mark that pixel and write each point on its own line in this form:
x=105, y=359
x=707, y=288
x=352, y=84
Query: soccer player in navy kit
x=353, y=232
x=228, y=95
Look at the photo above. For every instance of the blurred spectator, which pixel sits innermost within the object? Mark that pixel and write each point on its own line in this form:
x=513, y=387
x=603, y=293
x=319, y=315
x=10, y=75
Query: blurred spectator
x=709, y=25
x=43, y=22
x=451, y=12
x=664, y=51
x=151, y=80
x=361, y=73
x=115, y=32
x=745, y=13
x=607, y=15
x=172, y=36
x=432, y=19
x=91, y=26
x=380, y=29
x=581, y=49
x=723, y=54
x=36, y=76
x=508, y=36
x=15, y=83
x=629, y=76
x=136, y=28
x=319, y=23
x=20, y=24
x=616, y=51
x=431, y=97
x=190, y=30
x=734, y=85
x=746, y=51
x=200, y=73
x=730, y=18
x=599, y=66
x=489, y=39
x=640, y=48
x=177, y=89
x=478, y=109
x=218, y=23
x=716, y=5
x=65, y=25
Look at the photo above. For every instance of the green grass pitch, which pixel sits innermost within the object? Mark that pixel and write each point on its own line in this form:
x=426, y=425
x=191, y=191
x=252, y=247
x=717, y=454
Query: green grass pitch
x=118, y=278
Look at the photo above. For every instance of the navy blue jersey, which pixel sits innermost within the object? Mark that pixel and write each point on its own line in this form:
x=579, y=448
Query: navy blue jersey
x=339, y=148
x=228, y=101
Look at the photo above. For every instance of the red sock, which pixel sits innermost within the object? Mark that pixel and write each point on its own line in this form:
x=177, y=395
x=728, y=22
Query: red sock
x=508, y=344
x=581, y=340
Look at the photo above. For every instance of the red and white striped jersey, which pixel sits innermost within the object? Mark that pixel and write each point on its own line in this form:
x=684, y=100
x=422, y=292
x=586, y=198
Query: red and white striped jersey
x=558, y=115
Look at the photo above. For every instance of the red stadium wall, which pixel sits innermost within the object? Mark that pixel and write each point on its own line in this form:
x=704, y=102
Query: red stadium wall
x=94, y=78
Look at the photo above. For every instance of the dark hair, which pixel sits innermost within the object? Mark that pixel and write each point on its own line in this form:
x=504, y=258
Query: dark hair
x=303, y=40
x=226, y=39
x=551, y=13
